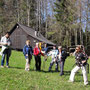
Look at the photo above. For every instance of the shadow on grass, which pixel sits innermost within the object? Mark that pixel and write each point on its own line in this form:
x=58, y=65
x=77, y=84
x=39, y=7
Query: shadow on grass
x=67, y=72
x=52, y=71
x=44, y=71
x=88, y=82
x=16, y=67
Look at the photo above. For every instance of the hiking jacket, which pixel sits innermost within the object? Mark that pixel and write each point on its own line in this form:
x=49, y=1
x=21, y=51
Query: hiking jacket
x=27, y=50
x=37, y=52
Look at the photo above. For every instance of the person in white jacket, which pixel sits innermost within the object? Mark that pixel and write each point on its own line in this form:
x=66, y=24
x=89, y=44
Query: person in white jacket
x=53, y=54
x=5, y=51
x=5, y=43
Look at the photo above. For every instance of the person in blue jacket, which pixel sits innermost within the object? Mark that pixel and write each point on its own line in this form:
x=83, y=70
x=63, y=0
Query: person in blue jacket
x=45, y=49
x=28, y=52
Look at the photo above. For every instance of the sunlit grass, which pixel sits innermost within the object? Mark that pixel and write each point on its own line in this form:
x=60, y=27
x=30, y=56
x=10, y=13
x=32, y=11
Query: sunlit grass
x=16, y=78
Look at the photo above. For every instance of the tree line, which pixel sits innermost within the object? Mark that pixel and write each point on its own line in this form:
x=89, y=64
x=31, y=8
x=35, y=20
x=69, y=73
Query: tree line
x=65, y=22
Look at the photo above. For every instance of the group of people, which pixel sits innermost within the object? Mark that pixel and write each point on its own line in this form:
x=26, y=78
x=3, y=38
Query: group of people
x=58, y=57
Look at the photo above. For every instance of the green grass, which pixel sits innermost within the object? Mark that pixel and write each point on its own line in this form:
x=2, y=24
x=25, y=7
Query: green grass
x=16, y=78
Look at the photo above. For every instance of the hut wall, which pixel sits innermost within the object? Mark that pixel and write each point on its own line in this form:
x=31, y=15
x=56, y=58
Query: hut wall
x=18, y=38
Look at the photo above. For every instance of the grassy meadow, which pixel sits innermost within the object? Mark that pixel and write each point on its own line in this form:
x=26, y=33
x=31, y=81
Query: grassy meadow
x=16, y=78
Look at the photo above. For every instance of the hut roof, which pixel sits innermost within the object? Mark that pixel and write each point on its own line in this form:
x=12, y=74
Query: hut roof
x=31, y=32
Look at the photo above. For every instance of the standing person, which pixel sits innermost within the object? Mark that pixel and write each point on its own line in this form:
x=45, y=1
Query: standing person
x=37, y=54
x=6, y=51
x=54, y=54
x=80, y=64
x=27, y=51
x=44, y=50
x=61, y=59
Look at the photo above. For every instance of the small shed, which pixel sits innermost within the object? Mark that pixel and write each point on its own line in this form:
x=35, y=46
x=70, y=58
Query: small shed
x=20, y=33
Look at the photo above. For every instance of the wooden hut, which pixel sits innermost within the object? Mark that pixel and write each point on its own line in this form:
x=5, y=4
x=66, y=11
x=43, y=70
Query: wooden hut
x=20, y=33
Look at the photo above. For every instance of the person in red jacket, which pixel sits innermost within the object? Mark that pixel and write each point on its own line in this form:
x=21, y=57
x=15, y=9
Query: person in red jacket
x=37, y=54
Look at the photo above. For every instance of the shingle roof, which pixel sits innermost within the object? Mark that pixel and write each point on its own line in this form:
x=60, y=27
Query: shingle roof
x=31, y=32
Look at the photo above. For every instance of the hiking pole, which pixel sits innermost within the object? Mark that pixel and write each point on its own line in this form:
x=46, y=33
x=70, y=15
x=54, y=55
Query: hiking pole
x=45, y=59
x=87, y=68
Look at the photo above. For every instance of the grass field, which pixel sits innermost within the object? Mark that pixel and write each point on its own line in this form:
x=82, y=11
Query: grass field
x=16, y=78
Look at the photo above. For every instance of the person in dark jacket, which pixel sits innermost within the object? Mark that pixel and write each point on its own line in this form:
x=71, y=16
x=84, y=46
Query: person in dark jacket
x=61, y=59
x=27, y=51
x=37, y=54
x=81, y=61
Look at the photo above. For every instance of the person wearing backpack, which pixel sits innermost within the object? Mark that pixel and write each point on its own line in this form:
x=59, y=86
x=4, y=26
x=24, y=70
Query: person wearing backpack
x=37, y=55
x=62, y=55
x=28, y=52
x=81, y=62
